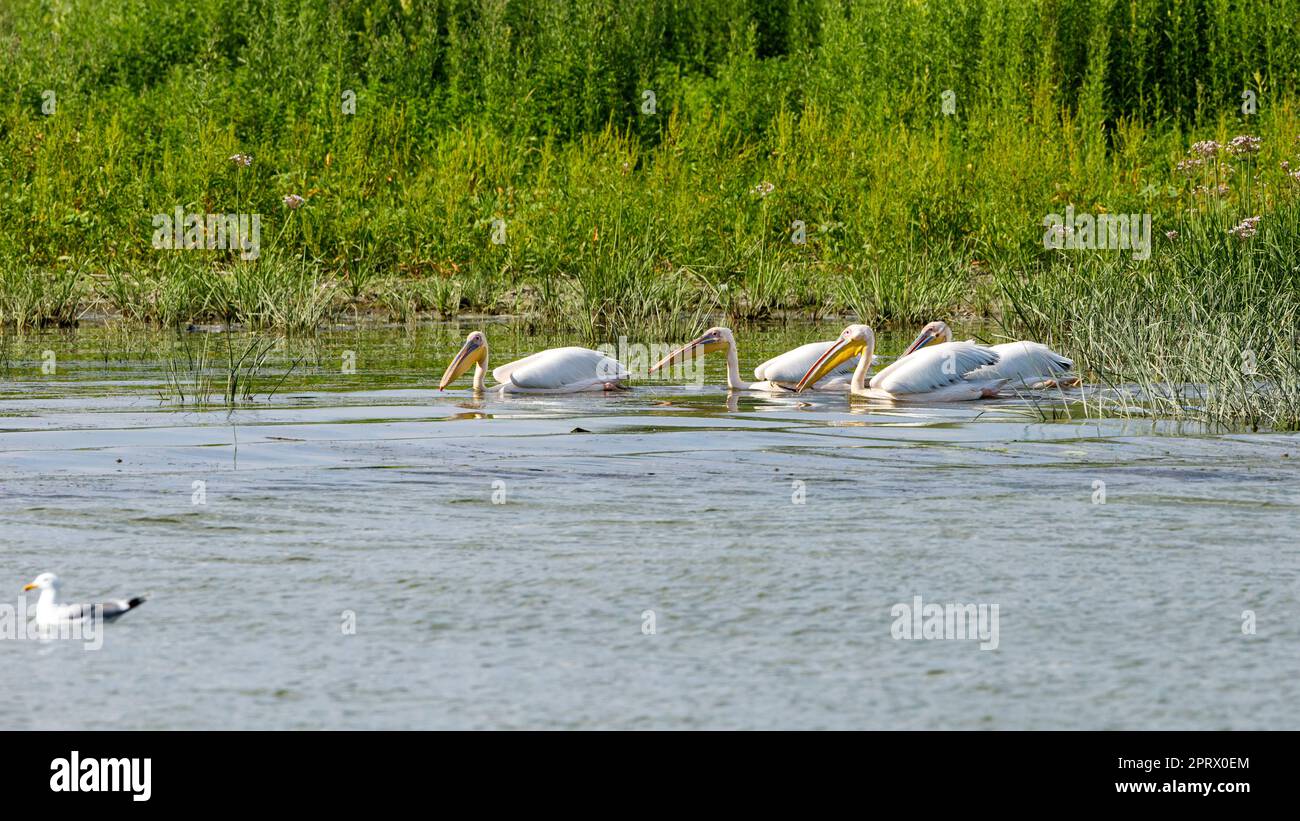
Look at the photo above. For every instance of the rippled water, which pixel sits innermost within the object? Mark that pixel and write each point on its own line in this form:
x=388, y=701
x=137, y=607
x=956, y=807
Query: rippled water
x=373, y=494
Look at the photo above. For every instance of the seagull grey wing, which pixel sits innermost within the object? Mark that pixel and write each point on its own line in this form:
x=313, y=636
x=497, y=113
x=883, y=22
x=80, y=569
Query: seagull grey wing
x=75, y=612
x=113, y=609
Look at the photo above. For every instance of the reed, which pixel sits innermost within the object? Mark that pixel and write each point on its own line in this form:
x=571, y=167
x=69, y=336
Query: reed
x=194, y=376
x=888, y=158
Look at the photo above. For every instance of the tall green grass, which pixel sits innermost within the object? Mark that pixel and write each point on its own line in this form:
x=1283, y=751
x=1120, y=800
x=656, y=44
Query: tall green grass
x=619, y=218
x=1206, y=329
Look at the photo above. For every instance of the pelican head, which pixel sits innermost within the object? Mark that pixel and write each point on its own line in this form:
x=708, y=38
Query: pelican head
x=934, y=333
x=714, y=339
x=43, y=582
x=852, y=341
x=472, y=352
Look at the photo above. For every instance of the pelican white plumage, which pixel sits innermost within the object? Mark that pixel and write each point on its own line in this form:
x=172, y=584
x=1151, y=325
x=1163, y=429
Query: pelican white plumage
x=556, y=370
x=777, y=375
x=1024, y=364
x=934, y=374
x=51, y=613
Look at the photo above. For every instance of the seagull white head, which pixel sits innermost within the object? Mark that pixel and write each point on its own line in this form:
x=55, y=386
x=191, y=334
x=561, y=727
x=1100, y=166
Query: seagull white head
x=714, y=339
x=45, y=581
x=853, y=340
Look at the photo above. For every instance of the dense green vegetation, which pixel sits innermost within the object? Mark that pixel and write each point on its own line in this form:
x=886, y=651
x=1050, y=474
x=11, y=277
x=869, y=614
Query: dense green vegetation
x=506, y=157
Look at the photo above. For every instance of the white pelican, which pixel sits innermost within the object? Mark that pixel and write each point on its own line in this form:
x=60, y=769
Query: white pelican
x=779, y=374
x=557, y=370
x=935, y=374
x=1030, y=364
x=50, y=613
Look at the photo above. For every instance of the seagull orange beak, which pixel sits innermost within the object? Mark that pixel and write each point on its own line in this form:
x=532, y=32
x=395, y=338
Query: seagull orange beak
x=29, y=587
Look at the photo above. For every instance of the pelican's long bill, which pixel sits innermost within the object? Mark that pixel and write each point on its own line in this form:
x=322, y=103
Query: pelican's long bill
x=708, y=343
x=837, y=354
x=925, y=338
x=470, y=353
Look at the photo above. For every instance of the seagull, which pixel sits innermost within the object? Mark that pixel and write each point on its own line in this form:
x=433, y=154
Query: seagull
x=49, y=613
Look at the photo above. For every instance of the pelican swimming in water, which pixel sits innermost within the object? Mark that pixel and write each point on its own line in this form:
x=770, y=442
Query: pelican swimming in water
x=778, y=375
x=934, y=374
x=1027, y=364
x=557, y=370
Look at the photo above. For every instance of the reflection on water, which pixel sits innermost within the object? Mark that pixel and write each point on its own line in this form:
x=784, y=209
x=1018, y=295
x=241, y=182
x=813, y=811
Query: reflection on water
x=498, y=570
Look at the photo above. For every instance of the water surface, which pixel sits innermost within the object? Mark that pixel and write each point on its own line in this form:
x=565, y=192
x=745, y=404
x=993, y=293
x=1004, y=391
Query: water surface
x=770, y=536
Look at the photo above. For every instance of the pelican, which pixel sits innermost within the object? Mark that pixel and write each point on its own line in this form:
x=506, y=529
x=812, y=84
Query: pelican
x=50, y=613
x=557, y=370
x=778, y=375
x=936, y=374
x=1031, y=364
